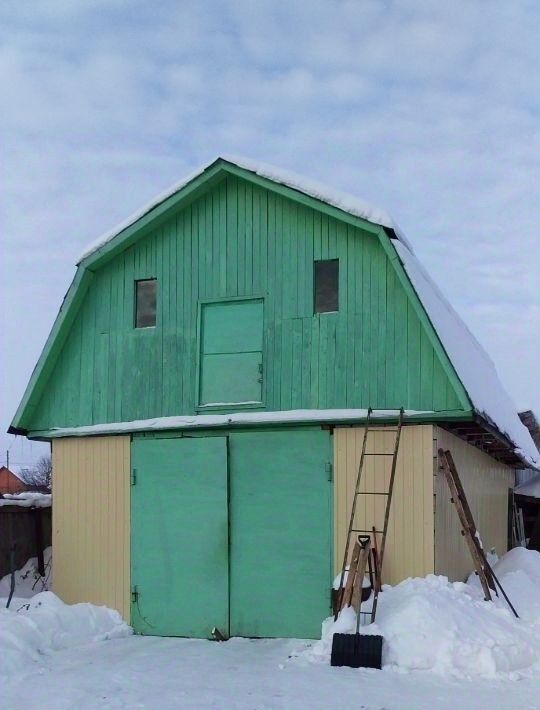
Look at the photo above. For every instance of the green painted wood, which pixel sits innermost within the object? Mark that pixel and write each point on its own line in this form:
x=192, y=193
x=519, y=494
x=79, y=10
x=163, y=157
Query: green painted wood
x=179, y=537
x=240, y=239
x=231, y=360
x=281, y=532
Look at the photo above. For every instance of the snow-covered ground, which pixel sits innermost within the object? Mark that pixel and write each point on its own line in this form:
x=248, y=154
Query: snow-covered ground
x=28, y=581
x=444, y=648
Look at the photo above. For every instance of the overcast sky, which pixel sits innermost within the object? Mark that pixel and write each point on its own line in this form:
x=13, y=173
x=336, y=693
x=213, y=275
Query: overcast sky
x=429, y=109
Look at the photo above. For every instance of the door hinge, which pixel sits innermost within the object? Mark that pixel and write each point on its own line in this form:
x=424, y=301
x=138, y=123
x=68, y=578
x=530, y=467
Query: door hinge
x=134, y=594
x=328, y=467
x=133, y=476
x=260, y=368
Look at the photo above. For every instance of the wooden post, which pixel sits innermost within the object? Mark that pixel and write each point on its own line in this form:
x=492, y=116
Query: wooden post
x=38, y=529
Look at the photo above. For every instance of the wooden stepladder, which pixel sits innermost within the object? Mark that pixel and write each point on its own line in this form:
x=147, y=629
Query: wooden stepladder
x=485, y=573
x=366, y=552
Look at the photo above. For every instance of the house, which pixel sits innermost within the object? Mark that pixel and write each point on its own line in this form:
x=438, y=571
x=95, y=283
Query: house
x=205, y=387
x=10, y=482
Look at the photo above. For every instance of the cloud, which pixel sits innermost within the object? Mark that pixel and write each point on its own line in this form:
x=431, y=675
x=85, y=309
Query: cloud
x=429, y=109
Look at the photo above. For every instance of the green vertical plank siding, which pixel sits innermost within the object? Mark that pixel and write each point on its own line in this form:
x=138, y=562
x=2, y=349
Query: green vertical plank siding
x=239, y=240
x=280, y=504
x=180, y=537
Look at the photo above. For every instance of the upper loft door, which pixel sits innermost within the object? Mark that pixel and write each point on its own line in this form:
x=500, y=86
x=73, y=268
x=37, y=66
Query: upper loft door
x=231, y=353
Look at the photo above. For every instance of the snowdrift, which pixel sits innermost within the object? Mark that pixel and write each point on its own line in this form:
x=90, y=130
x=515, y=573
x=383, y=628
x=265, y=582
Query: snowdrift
x=45, y=624
x=432, y=624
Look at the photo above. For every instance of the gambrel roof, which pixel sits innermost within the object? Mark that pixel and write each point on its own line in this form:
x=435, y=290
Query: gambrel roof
x=468, y=361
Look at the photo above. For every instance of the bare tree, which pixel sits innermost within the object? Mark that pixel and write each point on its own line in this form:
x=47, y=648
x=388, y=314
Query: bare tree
x=40, y=475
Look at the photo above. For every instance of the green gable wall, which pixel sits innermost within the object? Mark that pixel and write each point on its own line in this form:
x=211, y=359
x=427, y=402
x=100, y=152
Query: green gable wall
x=236, y=240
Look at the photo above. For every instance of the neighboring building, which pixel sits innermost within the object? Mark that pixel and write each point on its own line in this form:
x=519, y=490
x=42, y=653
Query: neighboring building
x=527, y=492
x=218, y=351
x=529, y=420
x=10, y=482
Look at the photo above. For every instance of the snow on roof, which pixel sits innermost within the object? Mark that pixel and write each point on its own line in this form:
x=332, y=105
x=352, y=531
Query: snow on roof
x=27, y=500
x=341, y=200
x=472, y=364
x=304, y=416
x=530, y=488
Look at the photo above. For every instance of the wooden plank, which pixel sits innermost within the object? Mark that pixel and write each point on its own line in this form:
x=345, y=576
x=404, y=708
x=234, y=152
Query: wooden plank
x=346, y=597
x=361, y=569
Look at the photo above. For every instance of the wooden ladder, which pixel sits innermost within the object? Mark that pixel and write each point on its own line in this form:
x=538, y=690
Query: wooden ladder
x=485, y=573
x=365, y=550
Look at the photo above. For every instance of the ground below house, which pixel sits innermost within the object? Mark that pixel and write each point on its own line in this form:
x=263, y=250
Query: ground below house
x=444, y=648
x=144, y=672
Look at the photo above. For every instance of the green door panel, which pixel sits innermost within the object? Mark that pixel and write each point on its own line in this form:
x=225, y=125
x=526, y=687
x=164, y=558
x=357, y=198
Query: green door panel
x=179, y=536
x=231, y=352
x=280, y=540
x=232, y=326
x=232, y=378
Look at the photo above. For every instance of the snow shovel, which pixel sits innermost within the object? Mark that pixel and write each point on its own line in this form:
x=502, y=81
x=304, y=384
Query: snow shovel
x=357, y=650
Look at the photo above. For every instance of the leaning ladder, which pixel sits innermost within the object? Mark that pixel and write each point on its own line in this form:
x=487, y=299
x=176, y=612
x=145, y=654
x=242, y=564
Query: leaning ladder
x=343, y=597
x=486, y=575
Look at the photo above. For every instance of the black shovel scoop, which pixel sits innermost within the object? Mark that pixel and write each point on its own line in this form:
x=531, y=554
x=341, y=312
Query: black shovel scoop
x=357, y=650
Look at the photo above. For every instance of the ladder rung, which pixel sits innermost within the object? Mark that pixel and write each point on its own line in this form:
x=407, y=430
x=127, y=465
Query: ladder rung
x=381, y=430
x=371, y=493
x=390, y=454
x=366, y=531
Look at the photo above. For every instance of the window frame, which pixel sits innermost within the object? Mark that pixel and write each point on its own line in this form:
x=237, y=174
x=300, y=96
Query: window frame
x=136, y=283
x=319, y=261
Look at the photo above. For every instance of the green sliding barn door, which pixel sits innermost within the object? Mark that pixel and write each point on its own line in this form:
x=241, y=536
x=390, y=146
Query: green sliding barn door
x=280, y=547
x=179, y=536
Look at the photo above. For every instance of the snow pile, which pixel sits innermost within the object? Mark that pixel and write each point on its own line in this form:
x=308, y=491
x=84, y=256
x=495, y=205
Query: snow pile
x=28, y=581
x=434, y=625
x=27, y=500
x=530, y=488
x=46, y=624
x=519, y=573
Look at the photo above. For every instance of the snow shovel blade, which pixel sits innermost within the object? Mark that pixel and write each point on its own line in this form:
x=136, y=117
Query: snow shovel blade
x=356, y=651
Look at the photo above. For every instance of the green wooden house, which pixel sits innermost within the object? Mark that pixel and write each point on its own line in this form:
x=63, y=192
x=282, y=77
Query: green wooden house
x=204, y=387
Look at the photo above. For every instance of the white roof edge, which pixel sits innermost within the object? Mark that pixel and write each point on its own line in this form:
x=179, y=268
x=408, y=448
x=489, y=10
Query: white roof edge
x=341, y=200
x=198, y=421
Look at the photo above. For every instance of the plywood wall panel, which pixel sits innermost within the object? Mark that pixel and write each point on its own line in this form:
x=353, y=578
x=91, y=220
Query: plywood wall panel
x=410, y=542
x=91, y=520
x=486, y=483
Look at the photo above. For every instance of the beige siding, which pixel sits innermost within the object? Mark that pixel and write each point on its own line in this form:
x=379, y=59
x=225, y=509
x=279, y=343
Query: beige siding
x=410, y=543
x=91, y=520
x=486, y=484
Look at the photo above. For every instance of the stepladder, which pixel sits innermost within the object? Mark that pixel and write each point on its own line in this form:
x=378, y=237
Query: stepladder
x=368, y=523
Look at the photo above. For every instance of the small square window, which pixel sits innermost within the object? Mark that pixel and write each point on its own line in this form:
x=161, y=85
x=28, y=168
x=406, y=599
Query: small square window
x=145, y=303
x=326, y=280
